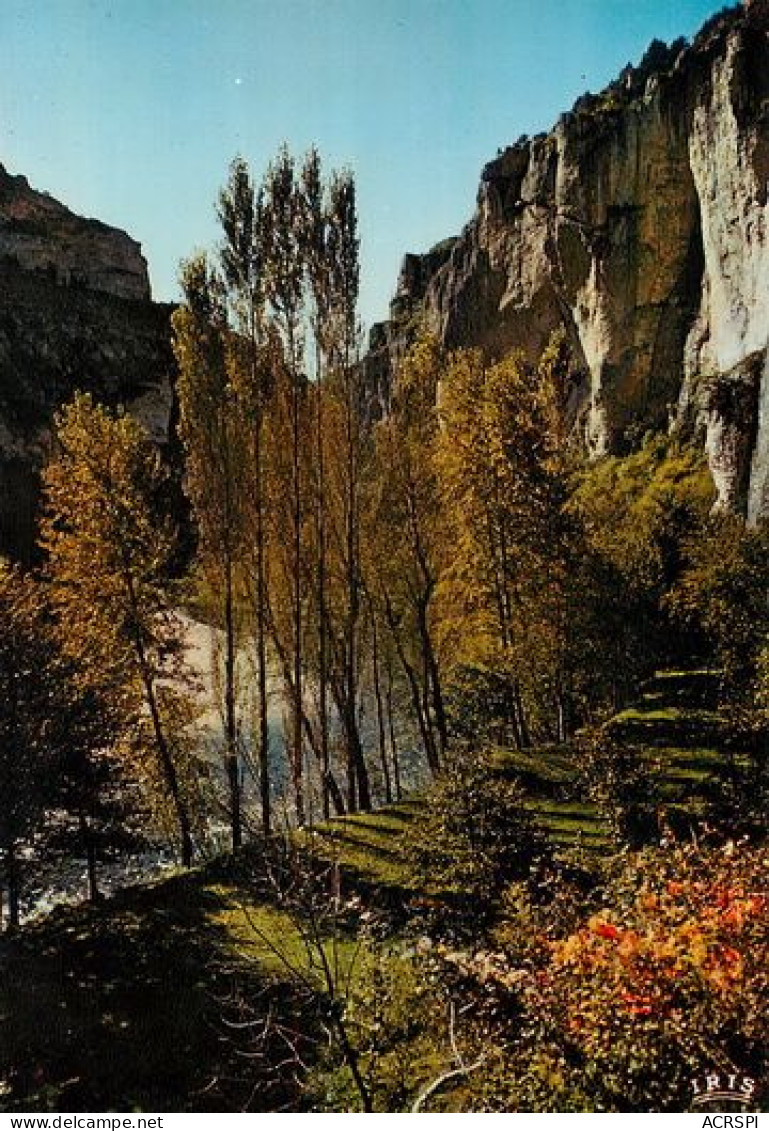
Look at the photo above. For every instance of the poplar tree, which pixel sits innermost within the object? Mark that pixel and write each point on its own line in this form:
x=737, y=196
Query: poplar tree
x=211, y=431
x=507, y=561
x=405, y=538
x=284, y=289
x=314, y=240
x=242, y=258
x=276, y=326
x=108, y=545
x=343, y=269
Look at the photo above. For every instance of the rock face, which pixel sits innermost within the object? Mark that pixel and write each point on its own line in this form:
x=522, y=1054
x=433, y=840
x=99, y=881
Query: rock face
x=640, y=224
x=75, y=314
x=39, y=234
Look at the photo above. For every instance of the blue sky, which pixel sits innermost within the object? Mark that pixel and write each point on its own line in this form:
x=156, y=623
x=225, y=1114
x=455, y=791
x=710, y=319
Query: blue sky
x=131, y=110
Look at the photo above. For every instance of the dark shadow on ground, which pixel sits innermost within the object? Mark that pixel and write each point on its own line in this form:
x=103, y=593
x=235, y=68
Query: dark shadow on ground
x=691, y=731
x=128, y=1007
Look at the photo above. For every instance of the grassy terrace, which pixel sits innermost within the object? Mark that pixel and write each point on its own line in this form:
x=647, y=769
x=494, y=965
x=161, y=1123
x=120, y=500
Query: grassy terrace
x=367, y=844
x=681, y=737
x=130, y=1004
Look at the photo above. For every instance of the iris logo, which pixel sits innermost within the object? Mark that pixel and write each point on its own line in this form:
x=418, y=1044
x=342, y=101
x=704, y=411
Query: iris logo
x=719, y=1088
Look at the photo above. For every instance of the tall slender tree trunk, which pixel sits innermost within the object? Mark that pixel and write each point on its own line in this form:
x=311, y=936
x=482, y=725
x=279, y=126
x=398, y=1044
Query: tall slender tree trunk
x=261, y=634
x=524, y=738
x=380, y=713
x=161, y=743
x=358, y=787
x=297, y=749
x=423, y=720
x=562, y=728
x=169, y=769
x=12, y=880
x=284, y=660
x=258, y=393
x=89, y=844
x=232, y=761
x=433, y=678
x=353, y=790
x=394, y=753
x=433, y=695
x=231, y=724
x=322, y=611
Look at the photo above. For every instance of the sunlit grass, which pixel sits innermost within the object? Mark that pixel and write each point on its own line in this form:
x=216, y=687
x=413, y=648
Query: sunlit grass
x=132, y=990
x=369, y=843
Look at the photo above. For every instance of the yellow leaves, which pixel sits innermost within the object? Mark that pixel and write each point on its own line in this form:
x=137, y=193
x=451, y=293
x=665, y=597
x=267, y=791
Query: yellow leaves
x=572, y=951
x=415, y=391
x=631, y=505
x=108, y=544
x=501, y=490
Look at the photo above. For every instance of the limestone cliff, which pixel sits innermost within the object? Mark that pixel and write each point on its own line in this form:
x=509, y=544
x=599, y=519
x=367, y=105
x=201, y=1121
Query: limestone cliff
x=75, y=313
x=640, y=223
x=39, y=234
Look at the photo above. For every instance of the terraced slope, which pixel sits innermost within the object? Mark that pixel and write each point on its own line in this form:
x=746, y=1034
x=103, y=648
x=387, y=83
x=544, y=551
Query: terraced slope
x=145, y=1002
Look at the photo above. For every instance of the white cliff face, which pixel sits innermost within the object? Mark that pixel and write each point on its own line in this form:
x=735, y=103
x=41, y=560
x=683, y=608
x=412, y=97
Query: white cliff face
x=640, y=225
x=594, y=330
x=729, y=166
x=589, y=227
x=733, y=320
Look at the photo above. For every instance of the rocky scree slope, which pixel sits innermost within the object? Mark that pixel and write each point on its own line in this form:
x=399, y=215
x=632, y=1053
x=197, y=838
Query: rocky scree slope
x=75, y=314
x=640, y=224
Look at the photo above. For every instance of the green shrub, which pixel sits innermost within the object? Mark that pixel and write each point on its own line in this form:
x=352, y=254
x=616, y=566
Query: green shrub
x=476, y=835
x=618, y=783
x=721, y=592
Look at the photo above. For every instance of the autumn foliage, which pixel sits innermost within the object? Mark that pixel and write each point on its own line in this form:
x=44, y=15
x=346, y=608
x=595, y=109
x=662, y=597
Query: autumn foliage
x=666, y=973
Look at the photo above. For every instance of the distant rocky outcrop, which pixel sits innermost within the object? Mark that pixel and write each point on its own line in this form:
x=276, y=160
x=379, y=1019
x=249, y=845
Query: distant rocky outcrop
x=75, y=313
x=640, y=224
x=39, y=234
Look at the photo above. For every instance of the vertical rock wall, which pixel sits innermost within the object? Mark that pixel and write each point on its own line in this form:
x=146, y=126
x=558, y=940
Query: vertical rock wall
x=75, y=314
x=639, y=223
